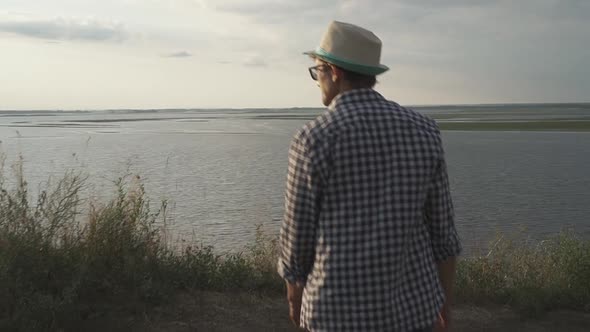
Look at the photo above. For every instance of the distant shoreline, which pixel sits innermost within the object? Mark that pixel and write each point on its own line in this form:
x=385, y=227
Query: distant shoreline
x=417, y=106
x=444, y=125
x=570, y=126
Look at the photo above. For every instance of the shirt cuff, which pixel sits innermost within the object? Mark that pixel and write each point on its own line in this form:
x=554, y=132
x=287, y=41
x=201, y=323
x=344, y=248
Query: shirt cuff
x=452, y=248
x=288, y=274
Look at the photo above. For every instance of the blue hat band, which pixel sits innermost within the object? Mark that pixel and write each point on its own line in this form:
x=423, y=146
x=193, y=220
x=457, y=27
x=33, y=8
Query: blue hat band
x=348, y=65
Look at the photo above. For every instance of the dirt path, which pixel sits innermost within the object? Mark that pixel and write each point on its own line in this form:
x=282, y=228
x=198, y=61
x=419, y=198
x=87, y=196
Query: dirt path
x=212, y=312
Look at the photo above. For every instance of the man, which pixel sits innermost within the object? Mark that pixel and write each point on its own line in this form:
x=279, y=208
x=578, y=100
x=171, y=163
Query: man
x=368, y=241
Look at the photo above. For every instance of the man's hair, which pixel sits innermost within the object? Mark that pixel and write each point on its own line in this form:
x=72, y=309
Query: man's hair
x=359, y=80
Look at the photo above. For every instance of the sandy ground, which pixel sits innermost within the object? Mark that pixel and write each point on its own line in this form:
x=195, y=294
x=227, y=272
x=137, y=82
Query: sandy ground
x=210, y=311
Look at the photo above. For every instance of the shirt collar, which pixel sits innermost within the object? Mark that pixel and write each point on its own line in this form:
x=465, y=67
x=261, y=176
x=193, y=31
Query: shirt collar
x=355, y=96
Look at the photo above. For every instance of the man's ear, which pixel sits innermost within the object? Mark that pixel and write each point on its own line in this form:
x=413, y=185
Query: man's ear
x=337, y=73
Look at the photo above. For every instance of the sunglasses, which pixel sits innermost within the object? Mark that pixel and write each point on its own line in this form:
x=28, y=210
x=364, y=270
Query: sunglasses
x=313, y=71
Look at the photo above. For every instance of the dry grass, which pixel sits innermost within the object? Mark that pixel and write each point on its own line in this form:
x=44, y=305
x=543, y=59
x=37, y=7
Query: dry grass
x=57, y=265
x=534, y=277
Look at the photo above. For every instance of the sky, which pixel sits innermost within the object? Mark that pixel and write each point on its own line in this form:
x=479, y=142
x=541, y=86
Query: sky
x=119, y=54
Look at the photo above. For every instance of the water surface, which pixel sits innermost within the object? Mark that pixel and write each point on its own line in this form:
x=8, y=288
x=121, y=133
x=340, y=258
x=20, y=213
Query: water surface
x=224, y=170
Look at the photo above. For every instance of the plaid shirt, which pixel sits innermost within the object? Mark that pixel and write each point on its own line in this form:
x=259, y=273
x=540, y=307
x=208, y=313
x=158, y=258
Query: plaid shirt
x=368, y=212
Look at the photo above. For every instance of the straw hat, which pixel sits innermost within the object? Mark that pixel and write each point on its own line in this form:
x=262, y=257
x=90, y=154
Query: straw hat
x=352, y=48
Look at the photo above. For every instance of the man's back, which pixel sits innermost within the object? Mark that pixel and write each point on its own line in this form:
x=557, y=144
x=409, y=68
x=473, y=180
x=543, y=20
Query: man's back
x=372, y=211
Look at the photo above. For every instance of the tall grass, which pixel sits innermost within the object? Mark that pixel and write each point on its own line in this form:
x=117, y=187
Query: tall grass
x=532, y=277
x=62, y=258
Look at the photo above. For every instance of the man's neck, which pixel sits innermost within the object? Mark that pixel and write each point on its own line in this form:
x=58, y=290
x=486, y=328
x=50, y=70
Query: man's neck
x=345, y=86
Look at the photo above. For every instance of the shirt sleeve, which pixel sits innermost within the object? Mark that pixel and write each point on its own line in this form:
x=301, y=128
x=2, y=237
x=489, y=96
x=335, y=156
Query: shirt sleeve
x=439, y=216
x=298, y=231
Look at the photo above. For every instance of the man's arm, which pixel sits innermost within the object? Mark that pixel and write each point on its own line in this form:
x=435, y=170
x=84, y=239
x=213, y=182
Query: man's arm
x=440, y=219
x=439, y=216
x=298, y=231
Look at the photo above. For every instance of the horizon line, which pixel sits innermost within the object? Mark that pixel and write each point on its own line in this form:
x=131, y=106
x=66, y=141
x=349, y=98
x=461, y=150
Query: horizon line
x=281, y=108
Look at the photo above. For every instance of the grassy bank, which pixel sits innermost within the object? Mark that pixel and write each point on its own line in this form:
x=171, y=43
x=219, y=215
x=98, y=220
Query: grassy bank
x=530, y=277
x=539, y=125
x=64, y=259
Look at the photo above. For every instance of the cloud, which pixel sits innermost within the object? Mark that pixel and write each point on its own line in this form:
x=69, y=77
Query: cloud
x=280, y=12
x=66, y=29
x=182, y=54
x=462, y=39
x=313, y=12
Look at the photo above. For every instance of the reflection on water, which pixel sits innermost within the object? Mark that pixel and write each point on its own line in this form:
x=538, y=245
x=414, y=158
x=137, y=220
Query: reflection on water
x=224, y=170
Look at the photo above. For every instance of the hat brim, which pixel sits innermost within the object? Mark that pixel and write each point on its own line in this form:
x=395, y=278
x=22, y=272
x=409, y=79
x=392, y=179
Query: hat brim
x=345, y=64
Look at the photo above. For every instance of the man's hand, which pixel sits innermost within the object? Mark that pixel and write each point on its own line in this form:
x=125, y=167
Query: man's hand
x=443, y=320
x=294, y=295
x=446, y=272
